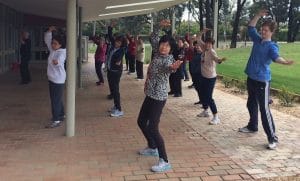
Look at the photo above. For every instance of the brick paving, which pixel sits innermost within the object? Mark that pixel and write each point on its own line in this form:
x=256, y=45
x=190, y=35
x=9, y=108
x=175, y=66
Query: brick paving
x=105, y=148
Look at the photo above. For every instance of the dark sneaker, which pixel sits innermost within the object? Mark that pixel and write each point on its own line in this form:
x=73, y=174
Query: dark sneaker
x=53, y=124
x=197, y=103
x=177, y=95
x=170, y=93
x=246, y=130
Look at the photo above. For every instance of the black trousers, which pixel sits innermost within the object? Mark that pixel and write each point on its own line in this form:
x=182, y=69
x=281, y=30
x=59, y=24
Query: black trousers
x=207, y=86
x=114, y=82
x=258, y=96
x=127, y=60
x=98, y=67
x=139, y=69
x=197, y=77
x=131, y=63
x=56, y=97
x=24, y=70
x=148, y=121
x=177, y=82
x=109, y=80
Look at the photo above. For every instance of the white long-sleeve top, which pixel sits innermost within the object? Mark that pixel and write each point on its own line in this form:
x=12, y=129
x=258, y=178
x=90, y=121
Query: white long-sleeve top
x=56, y=73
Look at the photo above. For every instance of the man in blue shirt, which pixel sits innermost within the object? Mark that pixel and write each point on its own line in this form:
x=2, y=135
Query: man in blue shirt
x=264, y=51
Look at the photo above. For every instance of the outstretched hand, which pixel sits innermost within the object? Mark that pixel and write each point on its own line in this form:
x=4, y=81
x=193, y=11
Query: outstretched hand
x=289, y=62
x=176, y=64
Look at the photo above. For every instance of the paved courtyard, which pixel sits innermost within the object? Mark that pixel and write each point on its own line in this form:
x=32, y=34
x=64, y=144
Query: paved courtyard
x=105, y=148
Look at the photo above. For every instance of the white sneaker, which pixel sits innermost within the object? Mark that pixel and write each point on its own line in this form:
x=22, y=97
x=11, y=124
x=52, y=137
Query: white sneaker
x=149, y=152
x=272, y=146
x=117, y=113
x=161, y=166
x=204, y=113
x=215, y=121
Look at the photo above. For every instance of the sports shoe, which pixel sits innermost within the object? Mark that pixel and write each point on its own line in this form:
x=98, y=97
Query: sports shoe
x=117, y=113
x=272, y=146
x=53, y=124
x=204, y=113
x=112, y=109
x=149, y=152
x=215, y=121
x=161, y=166
x=246, y=130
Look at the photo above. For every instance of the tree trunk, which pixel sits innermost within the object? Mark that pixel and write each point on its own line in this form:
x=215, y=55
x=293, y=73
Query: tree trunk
x=235, y=30
x=200, y=6
x=208, y=14
x=290, y=24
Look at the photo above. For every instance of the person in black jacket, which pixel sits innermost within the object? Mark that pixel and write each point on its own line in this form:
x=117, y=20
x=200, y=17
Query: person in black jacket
x=114, y=70
x=25, y=52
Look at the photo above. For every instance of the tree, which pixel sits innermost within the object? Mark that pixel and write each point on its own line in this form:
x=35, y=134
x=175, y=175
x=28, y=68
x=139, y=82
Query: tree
x=294, y=20
x=240, y=5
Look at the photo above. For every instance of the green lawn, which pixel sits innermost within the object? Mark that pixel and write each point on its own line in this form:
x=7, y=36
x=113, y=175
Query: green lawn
x=281, y=75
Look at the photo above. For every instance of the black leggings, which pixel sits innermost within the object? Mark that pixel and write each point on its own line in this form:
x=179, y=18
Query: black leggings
x=148, y=122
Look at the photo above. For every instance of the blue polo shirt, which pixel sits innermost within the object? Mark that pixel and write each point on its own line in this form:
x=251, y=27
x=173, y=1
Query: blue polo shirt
x=262, y=55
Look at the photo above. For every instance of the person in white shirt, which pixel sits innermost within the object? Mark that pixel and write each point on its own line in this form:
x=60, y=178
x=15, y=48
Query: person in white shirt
x=56, y=75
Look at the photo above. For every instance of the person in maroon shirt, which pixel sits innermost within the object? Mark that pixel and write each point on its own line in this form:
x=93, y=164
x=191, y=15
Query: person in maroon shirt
x=131, y=54
x=99, y=58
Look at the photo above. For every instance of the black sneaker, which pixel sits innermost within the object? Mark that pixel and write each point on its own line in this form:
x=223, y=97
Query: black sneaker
x=177, y=95
x=197, y=103
x=170, y=93
x=53, y=124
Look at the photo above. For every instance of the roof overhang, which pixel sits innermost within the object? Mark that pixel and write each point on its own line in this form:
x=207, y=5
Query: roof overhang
x=91, y=9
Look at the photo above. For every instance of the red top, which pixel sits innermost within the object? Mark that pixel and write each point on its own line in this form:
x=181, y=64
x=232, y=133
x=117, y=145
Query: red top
x=132, y=48
x=189, y=53
x=100, y=52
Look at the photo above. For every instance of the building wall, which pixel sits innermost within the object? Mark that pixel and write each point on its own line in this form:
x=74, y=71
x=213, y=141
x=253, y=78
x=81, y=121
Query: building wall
x=10, y=25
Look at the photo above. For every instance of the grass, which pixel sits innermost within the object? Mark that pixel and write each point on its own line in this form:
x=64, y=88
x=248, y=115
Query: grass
x=282, y=76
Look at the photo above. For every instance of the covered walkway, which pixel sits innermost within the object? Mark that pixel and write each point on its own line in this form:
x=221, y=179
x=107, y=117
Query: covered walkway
x=104, y=148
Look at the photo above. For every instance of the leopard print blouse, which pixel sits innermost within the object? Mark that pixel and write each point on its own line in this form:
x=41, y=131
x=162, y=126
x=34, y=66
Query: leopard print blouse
x=156, y=85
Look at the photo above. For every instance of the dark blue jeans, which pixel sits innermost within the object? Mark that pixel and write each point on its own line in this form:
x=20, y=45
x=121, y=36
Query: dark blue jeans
x=207, y=88
x=56, y=97
x=258, y=96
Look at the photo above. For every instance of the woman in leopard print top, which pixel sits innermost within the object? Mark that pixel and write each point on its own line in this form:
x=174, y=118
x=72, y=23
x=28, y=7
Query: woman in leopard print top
x=156, y=92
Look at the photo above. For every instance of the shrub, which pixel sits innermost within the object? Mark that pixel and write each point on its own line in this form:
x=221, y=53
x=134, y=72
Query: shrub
x=228, y=83
x=286, y=97
x=241, y=85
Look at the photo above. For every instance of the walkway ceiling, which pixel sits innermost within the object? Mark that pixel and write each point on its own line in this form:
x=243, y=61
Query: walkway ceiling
x=91, y=9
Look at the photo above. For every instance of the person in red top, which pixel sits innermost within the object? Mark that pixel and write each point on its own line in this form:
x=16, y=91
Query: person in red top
x=131, y=54
x=99, y=58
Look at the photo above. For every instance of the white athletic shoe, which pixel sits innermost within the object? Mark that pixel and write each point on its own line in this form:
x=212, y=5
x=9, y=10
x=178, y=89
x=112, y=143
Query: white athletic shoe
x=161, y=166
x=215, y=121
x=117, y=113
x=272, y=146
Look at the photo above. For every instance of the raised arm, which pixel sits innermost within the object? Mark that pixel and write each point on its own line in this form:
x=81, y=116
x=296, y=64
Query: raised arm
x=255, y=19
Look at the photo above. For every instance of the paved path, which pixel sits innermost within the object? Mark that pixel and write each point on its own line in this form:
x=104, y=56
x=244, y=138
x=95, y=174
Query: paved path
x=104, y=148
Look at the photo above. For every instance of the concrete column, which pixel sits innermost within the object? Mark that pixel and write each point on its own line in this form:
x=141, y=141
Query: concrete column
x=94, y=28
x=173, y=21
x=79, y=47
x=151, y=25
x=71, y=68
x=216, y=22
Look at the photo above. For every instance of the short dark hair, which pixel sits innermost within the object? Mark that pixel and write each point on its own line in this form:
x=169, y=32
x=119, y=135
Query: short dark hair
x=195, y=43
x=209, y=40
x=271, y=24
x=168, y=39
x=122, y=39
x=61, y=39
